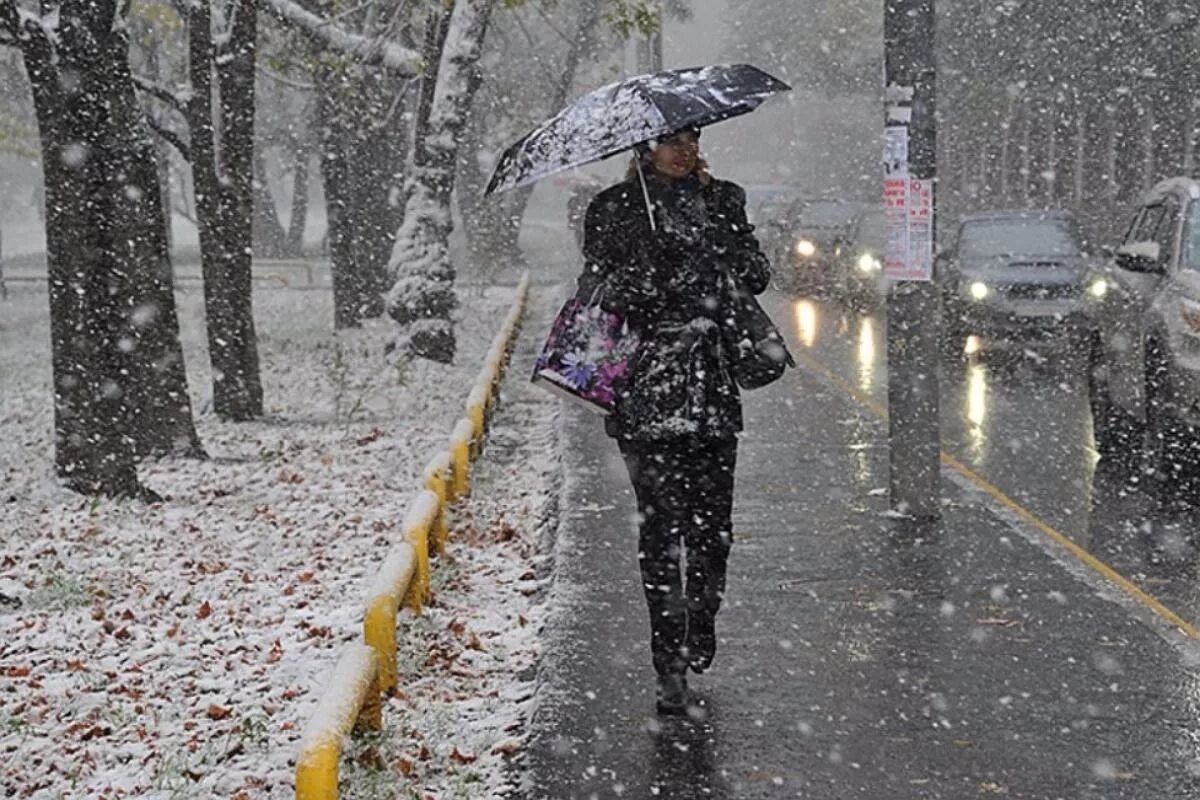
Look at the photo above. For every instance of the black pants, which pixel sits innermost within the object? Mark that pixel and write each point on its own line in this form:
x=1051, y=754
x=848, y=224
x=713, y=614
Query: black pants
x=684, y=494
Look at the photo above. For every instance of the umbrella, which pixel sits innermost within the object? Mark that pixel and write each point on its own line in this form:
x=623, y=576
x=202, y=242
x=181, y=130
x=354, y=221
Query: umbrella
x=616, y=117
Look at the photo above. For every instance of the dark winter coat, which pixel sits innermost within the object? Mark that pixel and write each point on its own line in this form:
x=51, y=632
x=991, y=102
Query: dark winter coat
x=673, y=288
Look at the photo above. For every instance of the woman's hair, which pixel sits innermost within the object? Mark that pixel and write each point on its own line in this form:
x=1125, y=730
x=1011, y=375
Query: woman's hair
x=701, y=171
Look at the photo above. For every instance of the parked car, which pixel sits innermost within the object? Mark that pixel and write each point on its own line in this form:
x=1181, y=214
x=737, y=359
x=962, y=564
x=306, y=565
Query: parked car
x=1014, y=277
x=1144, y=359
x=805, y=256
x=860, y=281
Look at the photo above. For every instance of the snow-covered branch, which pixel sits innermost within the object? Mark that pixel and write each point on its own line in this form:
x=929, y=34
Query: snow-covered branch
x=176, y=100
x=397, y=58
x=20, y=23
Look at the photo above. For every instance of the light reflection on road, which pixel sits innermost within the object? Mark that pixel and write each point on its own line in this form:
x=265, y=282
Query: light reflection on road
x=866, y=354
x=806, y=322
x=976, y=409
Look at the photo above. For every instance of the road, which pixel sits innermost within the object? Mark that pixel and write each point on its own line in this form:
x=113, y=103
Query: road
x=1019, y=419
x=861, y=656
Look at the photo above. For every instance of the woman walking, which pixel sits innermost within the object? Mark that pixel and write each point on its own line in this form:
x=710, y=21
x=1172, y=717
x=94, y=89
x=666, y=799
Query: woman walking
x=679, y=414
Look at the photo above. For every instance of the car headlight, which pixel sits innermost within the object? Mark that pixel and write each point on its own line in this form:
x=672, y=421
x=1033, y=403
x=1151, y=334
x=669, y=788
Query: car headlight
x=868, y=263
x=979, y=290
x=806, y=248
x=1098, y=288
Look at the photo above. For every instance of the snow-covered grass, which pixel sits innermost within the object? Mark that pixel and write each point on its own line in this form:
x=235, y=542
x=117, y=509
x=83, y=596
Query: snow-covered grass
x=176, y=650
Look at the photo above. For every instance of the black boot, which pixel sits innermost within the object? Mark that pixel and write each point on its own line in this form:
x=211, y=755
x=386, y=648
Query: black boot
x=672, y=695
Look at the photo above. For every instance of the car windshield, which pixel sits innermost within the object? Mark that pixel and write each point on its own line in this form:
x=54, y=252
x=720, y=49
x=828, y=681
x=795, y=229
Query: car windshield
x=826, y=215
x=1191, y=242
x=1009, y=237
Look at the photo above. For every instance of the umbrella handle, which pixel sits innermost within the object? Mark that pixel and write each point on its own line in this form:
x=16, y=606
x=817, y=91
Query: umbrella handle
x=637, y=160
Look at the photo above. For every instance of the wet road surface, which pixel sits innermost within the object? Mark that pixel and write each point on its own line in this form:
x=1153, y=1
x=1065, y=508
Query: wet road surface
x=861, y=657
x=1019, y=418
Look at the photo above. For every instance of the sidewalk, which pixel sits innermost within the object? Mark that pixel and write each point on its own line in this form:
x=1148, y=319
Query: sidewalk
x=857, y=658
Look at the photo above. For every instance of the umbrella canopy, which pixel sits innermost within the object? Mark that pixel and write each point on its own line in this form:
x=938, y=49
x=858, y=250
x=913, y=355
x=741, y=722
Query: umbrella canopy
x=616, y=117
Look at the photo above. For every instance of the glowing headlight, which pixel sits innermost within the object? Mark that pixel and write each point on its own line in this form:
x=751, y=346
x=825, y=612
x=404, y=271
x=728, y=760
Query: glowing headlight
x=1098, y=288
x=979, y=290
x=869, y=263
x=805, y=248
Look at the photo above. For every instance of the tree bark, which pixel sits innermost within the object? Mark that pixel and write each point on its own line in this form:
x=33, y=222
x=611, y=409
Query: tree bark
x=364, y=145
x=223, y=180
x=120, y=384
x=422, y=297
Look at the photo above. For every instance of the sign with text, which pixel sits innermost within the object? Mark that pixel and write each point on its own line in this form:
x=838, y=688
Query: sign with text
x=908, y=209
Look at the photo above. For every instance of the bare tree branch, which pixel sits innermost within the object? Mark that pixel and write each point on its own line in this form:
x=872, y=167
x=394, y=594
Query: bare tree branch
x=283, y=79
x=395, y=57
x=171, y=137
x=176, y=100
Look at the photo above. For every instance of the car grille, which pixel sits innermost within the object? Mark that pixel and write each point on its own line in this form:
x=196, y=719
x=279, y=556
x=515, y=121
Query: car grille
x=1042, y=291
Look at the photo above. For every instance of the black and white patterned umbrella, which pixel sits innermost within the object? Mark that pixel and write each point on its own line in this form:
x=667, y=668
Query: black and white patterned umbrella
x=616, y=117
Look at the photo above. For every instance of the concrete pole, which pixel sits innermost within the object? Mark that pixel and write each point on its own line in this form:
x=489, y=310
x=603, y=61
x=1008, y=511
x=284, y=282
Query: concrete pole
x=914, y=306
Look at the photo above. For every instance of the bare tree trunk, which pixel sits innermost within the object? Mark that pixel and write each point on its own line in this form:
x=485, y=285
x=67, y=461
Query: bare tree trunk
x=1189, y=140
x=1147, y=144
x=270, y=238
x=299, y=217
x=1079, y=173
x=422, y=297
x=1026, y=171
x=224, y=202
x=1005, y=140
x=364, y=145
x=1049, y=172
x=120, y=385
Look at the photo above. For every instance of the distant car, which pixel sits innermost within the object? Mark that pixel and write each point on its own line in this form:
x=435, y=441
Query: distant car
x=765, y=204
x=1014, y=277
x=860, y=278
x=1144, y=365
x=805, y=257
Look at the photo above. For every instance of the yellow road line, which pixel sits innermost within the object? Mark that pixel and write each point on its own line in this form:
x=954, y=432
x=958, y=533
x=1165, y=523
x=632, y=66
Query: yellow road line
x=1096, y=565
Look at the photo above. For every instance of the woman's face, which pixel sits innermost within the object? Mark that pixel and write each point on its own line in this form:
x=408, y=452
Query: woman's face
x=676, y=156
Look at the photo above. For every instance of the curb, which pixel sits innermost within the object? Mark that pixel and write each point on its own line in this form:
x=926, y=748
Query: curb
x=367, y=670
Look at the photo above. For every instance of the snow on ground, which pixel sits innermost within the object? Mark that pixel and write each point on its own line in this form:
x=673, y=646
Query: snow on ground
x=457, y=728
x=176, y=650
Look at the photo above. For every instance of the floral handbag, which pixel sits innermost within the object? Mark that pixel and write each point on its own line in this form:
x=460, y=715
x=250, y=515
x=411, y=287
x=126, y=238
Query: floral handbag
x=587, y=355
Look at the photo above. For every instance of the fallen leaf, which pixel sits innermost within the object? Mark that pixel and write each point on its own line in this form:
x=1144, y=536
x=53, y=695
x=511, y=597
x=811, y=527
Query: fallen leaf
x=374, y=435
x=216, y=712
x=204, y=611
x=16, y=672
x=406, y=766
x=507, y=748
x=460, y=757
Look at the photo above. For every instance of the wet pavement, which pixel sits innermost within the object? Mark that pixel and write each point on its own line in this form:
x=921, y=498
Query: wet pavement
x=1018, y=417
x=860, y=656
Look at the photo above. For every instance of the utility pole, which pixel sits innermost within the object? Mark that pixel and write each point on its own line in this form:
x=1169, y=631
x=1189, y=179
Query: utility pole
x=913, y=325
